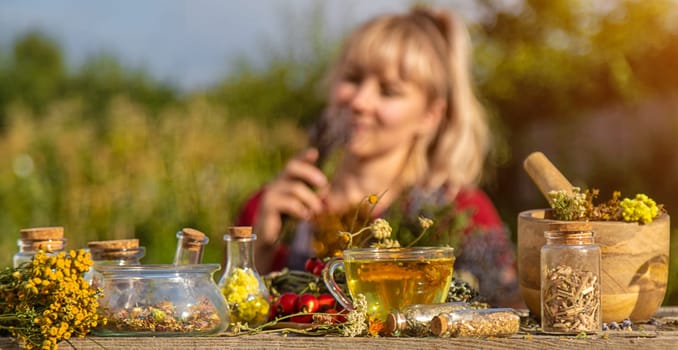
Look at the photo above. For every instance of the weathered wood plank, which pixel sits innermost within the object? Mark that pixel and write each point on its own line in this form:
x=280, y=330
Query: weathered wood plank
x=644, y=337
x=617, y=341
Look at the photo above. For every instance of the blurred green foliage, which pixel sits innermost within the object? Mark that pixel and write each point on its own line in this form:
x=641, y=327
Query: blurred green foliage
x=138, y=177
x=108, y=152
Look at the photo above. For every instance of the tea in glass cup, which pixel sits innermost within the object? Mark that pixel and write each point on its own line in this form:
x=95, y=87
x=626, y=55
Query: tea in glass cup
x=393, y=278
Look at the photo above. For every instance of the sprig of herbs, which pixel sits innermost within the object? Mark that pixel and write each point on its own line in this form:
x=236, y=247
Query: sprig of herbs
x=356, y=323
x=577, y=205
x=416, y=219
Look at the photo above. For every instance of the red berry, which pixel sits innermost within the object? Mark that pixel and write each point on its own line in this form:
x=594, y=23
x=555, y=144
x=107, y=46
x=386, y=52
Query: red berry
x=308, y=303
x=326, y=301
x=311, y=264
x=318, y=269
x=288, y=303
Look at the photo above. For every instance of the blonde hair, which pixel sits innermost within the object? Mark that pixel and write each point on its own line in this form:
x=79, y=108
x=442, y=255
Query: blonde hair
x=431, y=49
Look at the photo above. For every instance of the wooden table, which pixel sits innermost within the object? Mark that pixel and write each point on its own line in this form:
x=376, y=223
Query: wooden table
x=644, y=336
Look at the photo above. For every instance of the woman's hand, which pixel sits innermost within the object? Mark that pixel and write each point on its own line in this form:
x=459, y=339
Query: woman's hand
x=292, y=193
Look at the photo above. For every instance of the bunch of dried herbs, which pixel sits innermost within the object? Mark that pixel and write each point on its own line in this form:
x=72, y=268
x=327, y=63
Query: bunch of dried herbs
x=47, y=300
x=577, y=205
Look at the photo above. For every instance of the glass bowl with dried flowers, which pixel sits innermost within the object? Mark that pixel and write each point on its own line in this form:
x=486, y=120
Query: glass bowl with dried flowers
x=161, y=300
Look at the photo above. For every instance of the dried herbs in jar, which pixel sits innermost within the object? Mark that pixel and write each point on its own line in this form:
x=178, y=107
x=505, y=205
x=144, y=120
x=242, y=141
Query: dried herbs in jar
x=570, y=280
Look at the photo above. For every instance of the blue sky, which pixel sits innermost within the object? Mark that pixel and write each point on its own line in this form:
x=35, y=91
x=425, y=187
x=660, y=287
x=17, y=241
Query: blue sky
x=191, y=43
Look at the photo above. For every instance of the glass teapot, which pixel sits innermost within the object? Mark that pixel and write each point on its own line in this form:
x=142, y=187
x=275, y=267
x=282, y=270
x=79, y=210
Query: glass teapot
x=161, y=300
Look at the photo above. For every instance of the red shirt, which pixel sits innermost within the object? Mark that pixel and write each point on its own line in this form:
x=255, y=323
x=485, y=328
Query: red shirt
x=484, y=212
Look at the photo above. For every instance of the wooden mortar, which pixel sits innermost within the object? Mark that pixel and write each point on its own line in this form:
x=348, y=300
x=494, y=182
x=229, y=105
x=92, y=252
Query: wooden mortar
x=635, y=257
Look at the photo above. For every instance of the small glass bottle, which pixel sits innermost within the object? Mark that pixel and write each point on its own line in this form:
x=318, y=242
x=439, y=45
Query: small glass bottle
x=120, y=252
x=190, y=246
x=415, y=320
x=241, y=284
x=497, y=322
x=49, y=239
x=570, y=280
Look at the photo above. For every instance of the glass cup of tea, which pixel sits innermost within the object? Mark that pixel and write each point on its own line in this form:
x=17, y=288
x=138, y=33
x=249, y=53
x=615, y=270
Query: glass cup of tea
x=392, y=278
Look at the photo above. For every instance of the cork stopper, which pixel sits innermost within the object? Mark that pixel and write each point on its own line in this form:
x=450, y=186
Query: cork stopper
x=570, y=226
x=42, y=233
x=439, y=325
x=570, y=233
x=193, y=234
x=50, y=239
x=240, y=231
x=115, y=249
x=116, y=244
x=192, y=239
x=395, y=321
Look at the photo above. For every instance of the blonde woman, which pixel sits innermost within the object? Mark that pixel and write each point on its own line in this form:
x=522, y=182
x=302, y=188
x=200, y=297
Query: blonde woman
x=402, y=121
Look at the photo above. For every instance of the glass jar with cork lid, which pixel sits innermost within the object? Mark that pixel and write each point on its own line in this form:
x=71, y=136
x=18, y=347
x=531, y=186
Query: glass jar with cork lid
x=120, y=252
x=241, y=284
x=570, y=280
x=31, y=240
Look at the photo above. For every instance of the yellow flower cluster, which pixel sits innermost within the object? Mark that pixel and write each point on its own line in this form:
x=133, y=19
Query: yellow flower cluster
x=642, y=209
x=247, y=303
x=48, y=300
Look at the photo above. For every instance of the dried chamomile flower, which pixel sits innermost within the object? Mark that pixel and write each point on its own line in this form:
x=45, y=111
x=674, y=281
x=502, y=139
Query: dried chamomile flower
x=381, y=229
x=425, y=222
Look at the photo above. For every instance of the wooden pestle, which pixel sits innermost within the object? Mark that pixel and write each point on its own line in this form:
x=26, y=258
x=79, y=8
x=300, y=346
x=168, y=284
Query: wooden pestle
x=545, y=175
